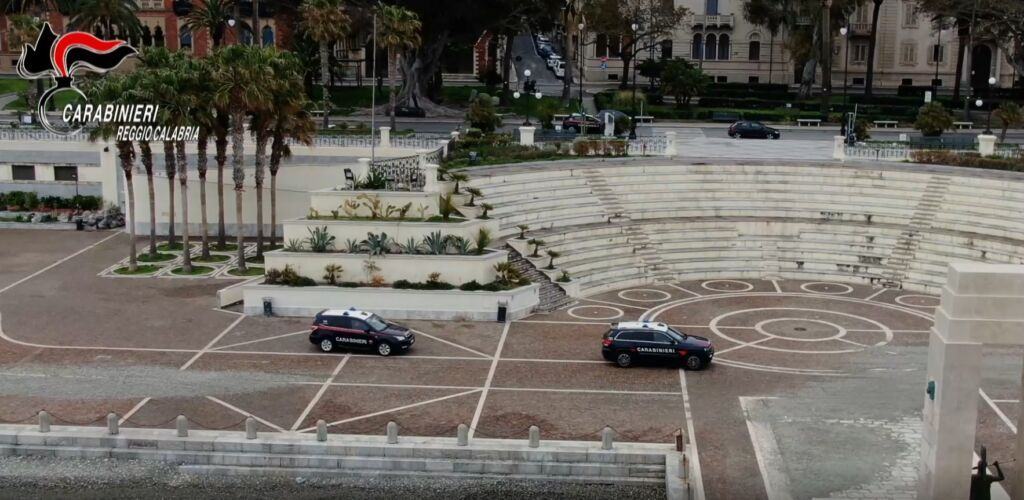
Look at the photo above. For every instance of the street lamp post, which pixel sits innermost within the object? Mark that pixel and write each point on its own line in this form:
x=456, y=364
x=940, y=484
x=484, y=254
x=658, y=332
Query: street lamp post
x=579, y=53
x=537, y=95
x=988, y=122
x=845, y=31
x=632, y=124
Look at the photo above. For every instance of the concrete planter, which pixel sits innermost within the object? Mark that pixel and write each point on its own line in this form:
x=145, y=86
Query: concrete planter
x=572, y=288
x=446, y=187
x=454, y=269
x=326, y=200
x=471, y=212
x=398, y=230
x=393, y=303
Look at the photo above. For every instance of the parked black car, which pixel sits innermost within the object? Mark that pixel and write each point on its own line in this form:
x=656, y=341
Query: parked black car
x=753, y=130
x=632, y=342
x=354, y=329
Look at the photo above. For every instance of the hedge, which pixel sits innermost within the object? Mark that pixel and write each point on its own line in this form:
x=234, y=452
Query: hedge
x=975, y=160
x=28, y=200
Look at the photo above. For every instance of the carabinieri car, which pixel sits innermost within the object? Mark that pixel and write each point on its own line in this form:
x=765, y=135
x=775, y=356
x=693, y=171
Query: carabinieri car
x=354, y=329
x=630, y=342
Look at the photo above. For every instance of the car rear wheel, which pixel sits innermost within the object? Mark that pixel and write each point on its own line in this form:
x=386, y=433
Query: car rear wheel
x=326, y=345
x=693, y=363
x=777, y=136
x=624, y=359
x=384, y=349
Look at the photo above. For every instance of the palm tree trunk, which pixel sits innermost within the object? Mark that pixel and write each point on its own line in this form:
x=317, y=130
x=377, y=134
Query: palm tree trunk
x=392, y=69
x=127, y=154
x=147, y=162
x=186, y=263
x=325, y=75
x=963, y=33
x=238, y=174
x=170, y=168
x=221, y=144
x=869, y=78
x=201, y=159
x=261, y=155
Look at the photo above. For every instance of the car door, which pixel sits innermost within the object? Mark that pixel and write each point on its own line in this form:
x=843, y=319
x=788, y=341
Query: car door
x=743, y=130
x=361, y=334
x=333, y=327
x=662, y=347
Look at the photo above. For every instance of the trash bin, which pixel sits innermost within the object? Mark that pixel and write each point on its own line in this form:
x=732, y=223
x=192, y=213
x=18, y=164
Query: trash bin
x=502, y=311
x=268, y=306
x=79, y=225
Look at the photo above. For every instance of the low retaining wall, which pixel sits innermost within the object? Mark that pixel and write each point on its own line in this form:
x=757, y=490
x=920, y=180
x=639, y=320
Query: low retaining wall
x=399, y=231
x=454, y=269
x=325, y=200
x=393, y=303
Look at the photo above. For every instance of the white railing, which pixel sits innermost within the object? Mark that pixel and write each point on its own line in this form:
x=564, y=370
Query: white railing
x=648, y=146
x=30, y=134
x=886, y=153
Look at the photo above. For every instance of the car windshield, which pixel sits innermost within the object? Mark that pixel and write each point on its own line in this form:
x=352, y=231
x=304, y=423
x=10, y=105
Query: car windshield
x=376, y=322
x=680, y=335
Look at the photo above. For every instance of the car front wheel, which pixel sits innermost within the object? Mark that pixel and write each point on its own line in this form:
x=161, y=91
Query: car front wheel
x=624, y=359
x=777, y=136
x=384, y=349
x=326, y=345
x=693, y=363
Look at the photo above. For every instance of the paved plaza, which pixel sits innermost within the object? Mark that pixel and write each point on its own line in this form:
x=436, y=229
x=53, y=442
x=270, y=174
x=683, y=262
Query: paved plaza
x=816, y=390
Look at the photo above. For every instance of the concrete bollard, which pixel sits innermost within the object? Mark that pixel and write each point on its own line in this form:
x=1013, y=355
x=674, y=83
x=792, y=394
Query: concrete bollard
x=250, y=428
x=463, y=435
x=670, y=143
x=181, y=423
x=534, y=436
x=321, y=431
x=526, y=135
x=385, y=137
x=44, y=421
x=112, y=424
x=838, y=148
x=392, y=433
x=986, y=145
x=607, y=438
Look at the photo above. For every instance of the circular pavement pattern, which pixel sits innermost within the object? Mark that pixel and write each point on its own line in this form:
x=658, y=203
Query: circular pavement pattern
x=826, y=288
x=727, y=286
x=918, y=300
x=644, y=295
x=578, y=312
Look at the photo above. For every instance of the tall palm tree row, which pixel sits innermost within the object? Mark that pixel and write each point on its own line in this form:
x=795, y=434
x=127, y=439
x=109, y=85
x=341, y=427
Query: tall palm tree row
x=107, y=14
x=326, y=22
x=399, y=30
x=290, y=120
x=212, y=16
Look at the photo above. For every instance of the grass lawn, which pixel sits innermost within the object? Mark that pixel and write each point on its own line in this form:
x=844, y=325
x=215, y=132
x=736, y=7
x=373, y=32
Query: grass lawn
x=228, y=247
x=213, y=258
x=62, y=99
x=159, y=257
x=144, y=269
x=167, y=247
x=254, y=260
x=12, y=85
x=196, y=271
x=249, y=271
x=499, y=154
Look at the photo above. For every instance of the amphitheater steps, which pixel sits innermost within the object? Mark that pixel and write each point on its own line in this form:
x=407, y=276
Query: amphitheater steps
x=603, y=191
x=552, y=296
x=905, y=250
x=770, y=258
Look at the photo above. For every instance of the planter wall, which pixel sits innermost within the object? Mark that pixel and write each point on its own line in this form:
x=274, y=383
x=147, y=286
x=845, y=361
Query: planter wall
x=325, y=200
x=392, y=303
x=398, y=230
x=454, y=269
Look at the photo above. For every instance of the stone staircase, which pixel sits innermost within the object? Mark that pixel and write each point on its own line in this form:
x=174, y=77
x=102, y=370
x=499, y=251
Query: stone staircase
x=770, y=259
x=646, y=250
x=552, y=296
x=905, y=250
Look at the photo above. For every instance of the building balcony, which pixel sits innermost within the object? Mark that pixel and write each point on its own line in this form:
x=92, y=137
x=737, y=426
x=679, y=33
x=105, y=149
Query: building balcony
x=182, y=7
x=860, y=29
x=707, y=21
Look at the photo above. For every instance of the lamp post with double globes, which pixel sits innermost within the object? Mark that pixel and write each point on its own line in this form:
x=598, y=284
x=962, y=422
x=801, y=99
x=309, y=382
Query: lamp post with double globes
x=845, y=31
x=632, y=121
x=537, y=95
x=579, y=53
x=979, y=103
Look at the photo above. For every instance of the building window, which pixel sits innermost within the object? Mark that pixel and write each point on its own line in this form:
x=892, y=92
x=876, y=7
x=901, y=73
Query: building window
x=753, y=79
x=268, y=36
x=614, y=46
x=666, y=49
x=860, y=52
x=754, y=51
x=147, y=37
x=601, y=45
x=938, y=54
x=723, y=47
x=722, y=79
x=697, y=50
x=711, y=7
x=908, y=54
x=69, y=173
x=158, y=36
x=907, y=82
x=858, y=81
x=185, y=37
x=909, y=15
x=23, y=172
x=711, y=48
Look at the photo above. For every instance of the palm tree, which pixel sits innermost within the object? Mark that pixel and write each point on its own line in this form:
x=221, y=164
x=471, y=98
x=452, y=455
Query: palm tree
x=108, y=13
x=325, y=21
x=178, y=104
x=239, y=76
x=201, y=89
x=146, y=89
x=291, y=121
x=221, y=126
x=399, y=31
x=869, y=78
x=213, y=16
x=24, y=29
x=261, y=126
x=112, y=90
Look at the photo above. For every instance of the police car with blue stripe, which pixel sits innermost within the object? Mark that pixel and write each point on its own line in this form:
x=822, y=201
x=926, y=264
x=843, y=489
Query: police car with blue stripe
x=360, y=330
x=630, y=342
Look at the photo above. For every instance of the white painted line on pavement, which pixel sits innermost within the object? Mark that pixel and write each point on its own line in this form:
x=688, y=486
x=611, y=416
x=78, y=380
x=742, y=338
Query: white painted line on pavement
x=766, y=449
x=355, y=355
x=453, y=344
x=538, y=360
x=86, y=348
x=585, y=391
x=775, y=283
x=614, y=304
x=59, y=262
x=247, y=342
x=876, y=294
x=698, y=478
x=1002, y=416
x=392, y=386
x=392, y=410
x=691, y=292
x=236, y=409
x=490, y=378
x=134, y=409
x=320, y=393
x=212, y=343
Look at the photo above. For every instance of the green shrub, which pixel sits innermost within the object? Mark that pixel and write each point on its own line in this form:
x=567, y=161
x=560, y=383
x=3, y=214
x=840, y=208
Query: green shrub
x=933, y=120
x=975, y=160
x=482, y=115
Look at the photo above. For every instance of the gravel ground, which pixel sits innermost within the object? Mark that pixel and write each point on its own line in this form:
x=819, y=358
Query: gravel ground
x=34, y=477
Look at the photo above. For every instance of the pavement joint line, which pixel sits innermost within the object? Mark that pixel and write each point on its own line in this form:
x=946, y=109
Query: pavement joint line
x=318, y=354
x=453, y=344
x=59, y=262
x=999, y=412
x=490, y=378
x=776, y=369
x=212, y=343
x=392, y=386
x=4, y=336
x=133, y=411
x=1006, y=401
x=542, y=360
x=698, y=479
x=247, y=342
x=766, y=451
x=775, y=283
x=236, y=409
x=876, y=294
x=320, y=393
x=741, y=346
x=563, y=322
x=400, y=408
x=614, y=304
x=587, y=391
x=691, y=292
x=225, y=311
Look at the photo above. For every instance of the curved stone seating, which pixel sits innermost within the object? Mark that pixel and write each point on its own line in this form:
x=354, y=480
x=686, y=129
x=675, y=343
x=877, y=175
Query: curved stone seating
x=900, y=227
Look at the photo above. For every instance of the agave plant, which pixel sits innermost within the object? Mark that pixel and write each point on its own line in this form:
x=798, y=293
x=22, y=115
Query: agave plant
x=461, y=245
x=410, y=247
x=483, y=238
x=293, y=245
x=319, y=239
x=374, y=180
x=352, y=246
x=377, y=244
x=445, y=207
x=507, y=273
x=435, y=243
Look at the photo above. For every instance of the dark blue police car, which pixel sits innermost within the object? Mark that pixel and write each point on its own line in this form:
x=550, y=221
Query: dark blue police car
x=631, y=342
x=354, y=329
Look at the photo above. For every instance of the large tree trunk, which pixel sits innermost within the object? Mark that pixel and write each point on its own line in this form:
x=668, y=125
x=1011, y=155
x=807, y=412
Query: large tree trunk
x=147, y=163
x=325, y=82
x=627, y=59
x=963, y=33
x=221, y=143
x=186, y=253
x=392, y=94
x=869, y=79
x=238, y=175
x=201, y=170
x=276, y=153
x=506, y=67
x=127, y=164
x=170, y=168
x=261, y=158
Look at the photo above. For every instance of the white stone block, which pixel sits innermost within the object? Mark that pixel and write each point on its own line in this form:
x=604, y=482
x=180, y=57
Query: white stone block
x=987, y=144
x=526, y=135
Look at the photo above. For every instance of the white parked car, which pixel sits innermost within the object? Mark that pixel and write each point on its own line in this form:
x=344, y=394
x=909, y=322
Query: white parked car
x=559, y=69
x=553, y=59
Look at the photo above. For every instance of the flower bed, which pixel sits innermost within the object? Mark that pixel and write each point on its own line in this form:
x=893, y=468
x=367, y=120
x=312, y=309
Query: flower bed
x=360, y=267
